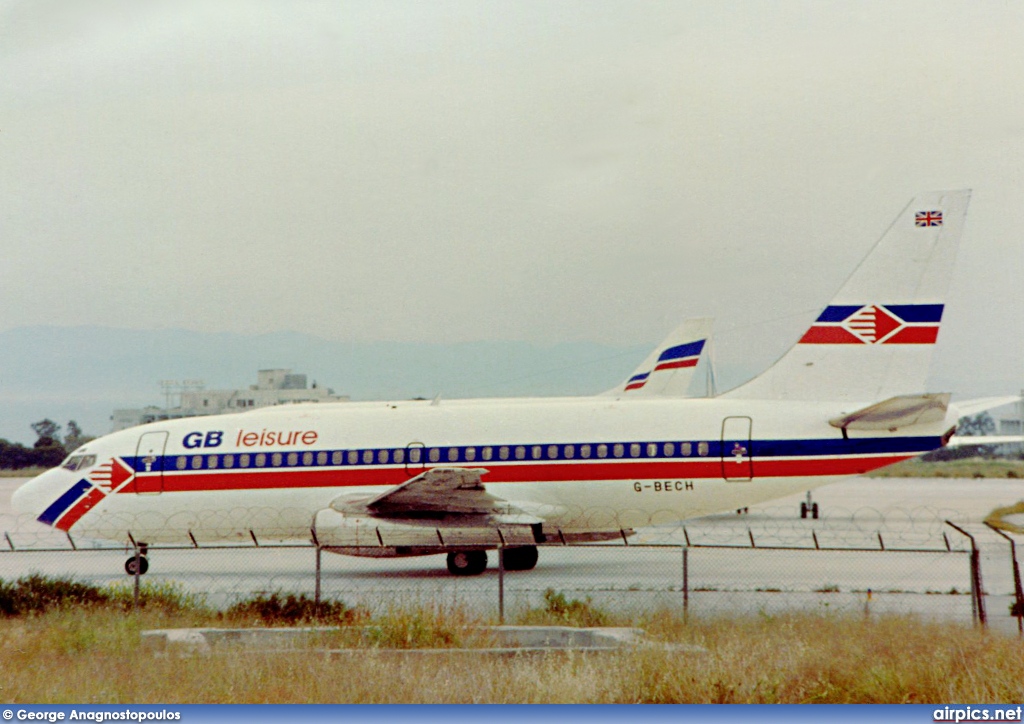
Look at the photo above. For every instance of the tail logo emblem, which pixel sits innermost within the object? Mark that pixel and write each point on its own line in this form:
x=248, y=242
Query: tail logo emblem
x=876, y=324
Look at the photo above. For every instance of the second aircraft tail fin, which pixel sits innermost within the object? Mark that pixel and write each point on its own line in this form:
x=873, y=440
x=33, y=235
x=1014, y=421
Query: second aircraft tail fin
x=668, y=370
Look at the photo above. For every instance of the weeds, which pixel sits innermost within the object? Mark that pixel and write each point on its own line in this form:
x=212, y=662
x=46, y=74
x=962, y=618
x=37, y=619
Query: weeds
x=565, y=612
x=291, y=609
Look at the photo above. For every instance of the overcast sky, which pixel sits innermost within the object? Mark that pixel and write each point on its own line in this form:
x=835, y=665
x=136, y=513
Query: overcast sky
x=504, y=170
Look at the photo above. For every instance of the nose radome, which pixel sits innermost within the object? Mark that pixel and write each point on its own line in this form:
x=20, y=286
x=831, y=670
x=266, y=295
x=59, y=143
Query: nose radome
x=33, y=496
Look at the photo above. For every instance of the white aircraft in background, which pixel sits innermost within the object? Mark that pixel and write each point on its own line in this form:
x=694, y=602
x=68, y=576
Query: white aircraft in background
x=461, y=477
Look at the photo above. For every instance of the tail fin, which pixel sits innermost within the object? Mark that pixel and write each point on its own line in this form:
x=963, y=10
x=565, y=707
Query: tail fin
x=667, y=371
x=875, y=339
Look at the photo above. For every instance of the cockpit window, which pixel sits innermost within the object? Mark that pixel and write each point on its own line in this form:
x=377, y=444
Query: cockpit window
x=79, y=462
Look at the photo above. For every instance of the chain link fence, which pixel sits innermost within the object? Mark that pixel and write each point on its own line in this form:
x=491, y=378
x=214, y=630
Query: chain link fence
x=868, y=560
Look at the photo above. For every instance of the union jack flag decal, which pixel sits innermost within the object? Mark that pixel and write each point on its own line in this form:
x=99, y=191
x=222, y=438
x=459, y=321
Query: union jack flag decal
x=928, y=218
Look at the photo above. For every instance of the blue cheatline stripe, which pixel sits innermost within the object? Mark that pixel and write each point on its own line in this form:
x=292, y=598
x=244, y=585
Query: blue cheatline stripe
x=548, y=452
x=64, y=502
x=913, y=313
x=682, y=350
x=917, y=312
x=836, y=313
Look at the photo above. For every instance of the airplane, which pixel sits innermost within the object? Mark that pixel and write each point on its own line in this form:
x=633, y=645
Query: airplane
x=461, y=477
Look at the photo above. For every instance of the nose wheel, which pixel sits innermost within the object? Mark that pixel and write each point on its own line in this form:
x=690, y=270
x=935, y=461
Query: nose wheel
x=138, y=563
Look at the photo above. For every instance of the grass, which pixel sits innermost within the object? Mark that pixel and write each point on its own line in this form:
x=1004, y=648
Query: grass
x=53, y=649
x=966, y=468
x=997, y=518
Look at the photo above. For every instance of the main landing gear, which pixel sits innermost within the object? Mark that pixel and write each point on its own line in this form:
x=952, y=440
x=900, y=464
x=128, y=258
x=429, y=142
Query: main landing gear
x=473, y=563
x=141, y=562
x=809, y=507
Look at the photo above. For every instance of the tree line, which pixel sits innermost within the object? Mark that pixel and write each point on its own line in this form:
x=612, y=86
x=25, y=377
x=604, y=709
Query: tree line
x=49, y=449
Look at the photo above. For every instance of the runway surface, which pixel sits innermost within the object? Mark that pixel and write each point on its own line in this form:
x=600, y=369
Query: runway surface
x=885, y=534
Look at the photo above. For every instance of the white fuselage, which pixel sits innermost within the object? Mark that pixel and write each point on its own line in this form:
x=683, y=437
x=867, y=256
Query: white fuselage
x=579, y=464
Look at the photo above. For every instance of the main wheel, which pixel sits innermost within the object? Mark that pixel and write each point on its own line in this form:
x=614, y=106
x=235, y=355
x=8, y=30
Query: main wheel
x=803, y=510
x=521, y=558
x=467, y=563
x=814, y=511
x=129, y=565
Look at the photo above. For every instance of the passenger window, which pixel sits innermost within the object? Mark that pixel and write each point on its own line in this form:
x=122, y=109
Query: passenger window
x=399, y=455
x=353, y=457
x=685, y=449
x=618, y=450
x=181, y=462
x=535, y=452
x=584, y=451
x=453, y=454
x=470, y=454
x=261, y=460
x=503, y=452
x=702, y=449
x=367, y=457
x=229, y=461
x=243, y=460
x=669, y=449
x=415, y=454
x=435, y=454
x=382, y=456
x=336, y=457
x=321, y=458
x=652, y=449
x=487, y=453
x=602, y=451
x=211, y=462
x=197, y=462
x=553, y=452
x=275, y=459
x=570, y=452
x=634, y=450
x=293, y=458
x=307, y=458
x=520, y=452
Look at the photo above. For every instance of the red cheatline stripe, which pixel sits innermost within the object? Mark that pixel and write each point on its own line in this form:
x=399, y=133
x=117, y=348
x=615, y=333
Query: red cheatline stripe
x=914, y=335
x=692, y=362
x=829, y=335
x=80, y=508
x=707, y=468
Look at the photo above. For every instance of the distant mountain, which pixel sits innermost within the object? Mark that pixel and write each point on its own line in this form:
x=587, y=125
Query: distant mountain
x=84, y=373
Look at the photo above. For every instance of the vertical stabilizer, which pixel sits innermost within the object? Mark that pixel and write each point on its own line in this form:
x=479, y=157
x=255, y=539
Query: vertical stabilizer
x=875, y=339
x=668, y=370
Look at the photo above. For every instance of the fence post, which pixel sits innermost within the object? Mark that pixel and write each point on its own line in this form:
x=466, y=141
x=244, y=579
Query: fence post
x=138, y=572
x=316, y=590
x=977, y=588
x=686, y=581
x=1018, y=593
x=501, y=584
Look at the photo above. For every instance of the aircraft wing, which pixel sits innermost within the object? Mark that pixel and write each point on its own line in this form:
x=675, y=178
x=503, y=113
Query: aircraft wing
x=449, y=491
x=667, y=371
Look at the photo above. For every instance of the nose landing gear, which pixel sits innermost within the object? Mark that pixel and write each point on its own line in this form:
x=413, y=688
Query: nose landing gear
x=139, y=562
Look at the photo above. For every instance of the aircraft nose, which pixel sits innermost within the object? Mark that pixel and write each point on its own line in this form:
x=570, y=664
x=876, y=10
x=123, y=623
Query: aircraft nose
x=31, y=497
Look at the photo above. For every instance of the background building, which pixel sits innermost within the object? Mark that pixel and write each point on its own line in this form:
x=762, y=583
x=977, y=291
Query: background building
x=273, y=387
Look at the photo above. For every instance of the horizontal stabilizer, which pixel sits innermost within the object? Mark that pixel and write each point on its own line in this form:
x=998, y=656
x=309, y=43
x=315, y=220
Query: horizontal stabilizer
x=896, y=412
x=965, y=408
x=965, y=440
